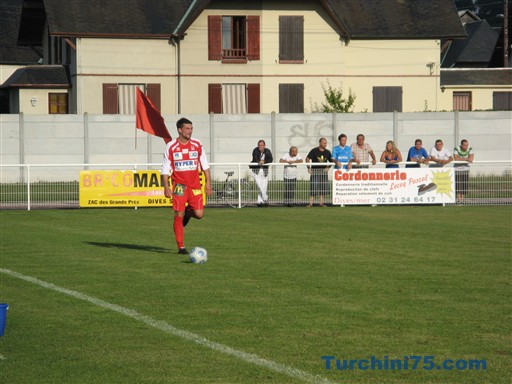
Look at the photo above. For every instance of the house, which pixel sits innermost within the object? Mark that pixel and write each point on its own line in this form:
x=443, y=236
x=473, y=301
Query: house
x=225, y=56
x=468, y=79
x=12, y=55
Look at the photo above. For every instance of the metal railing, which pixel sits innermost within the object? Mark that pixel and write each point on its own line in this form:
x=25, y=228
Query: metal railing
x=45, y=186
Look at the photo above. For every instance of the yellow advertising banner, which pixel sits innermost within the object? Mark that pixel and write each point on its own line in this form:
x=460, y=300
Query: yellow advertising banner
x=111, y=188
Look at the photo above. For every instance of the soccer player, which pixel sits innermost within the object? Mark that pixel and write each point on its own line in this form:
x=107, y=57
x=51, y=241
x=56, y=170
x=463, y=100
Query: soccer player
x=183, y=158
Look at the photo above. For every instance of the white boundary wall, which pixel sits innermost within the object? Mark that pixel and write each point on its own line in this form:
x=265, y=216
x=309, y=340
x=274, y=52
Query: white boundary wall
x=95, y=139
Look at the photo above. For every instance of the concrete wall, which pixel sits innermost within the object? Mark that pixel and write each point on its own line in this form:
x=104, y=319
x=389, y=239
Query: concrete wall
x=95, y=139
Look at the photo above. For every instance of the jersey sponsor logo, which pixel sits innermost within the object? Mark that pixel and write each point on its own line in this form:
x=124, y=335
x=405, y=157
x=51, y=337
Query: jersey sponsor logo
x=179, y=190
x=196, y=192
x=185, y=165
x=185, y=150
x=193, y=155
x=178, y=156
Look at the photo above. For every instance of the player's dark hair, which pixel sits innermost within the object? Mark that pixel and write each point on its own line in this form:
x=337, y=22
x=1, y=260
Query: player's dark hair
x=181, y=122
x=340, y=136
x=463, y=141
x=418, y=141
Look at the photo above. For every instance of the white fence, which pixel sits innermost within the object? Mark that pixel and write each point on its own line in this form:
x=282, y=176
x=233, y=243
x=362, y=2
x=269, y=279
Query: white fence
x=43, y=186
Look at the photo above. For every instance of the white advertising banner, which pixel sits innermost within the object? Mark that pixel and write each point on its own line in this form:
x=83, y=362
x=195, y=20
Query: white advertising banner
x=384, y=186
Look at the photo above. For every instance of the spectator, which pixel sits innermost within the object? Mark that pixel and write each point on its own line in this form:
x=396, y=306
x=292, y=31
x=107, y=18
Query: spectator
x=391, y=155
x=439, y=155
x=418, y=154
x=342, y=154
x=290, y=174
x=462, y=153
x=362, y=152
x=261, y=155
x=319, y=180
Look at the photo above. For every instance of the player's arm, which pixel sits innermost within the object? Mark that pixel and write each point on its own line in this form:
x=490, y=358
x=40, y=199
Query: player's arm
x=167, y=187
x=166, y=173
x=208, y=183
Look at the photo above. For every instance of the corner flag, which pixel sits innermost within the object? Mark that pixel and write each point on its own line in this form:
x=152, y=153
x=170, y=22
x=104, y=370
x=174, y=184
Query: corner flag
x=149, y=119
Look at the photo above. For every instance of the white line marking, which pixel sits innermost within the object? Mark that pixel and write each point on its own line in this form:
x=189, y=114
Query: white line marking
x=168, y=328
x=2, y=357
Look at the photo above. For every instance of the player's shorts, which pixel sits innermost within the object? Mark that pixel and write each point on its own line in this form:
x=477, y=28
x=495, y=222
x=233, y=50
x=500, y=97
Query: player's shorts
x=182, y=194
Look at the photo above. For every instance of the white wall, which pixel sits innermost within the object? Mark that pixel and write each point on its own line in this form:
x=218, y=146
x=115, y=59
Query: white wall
x=76, y=139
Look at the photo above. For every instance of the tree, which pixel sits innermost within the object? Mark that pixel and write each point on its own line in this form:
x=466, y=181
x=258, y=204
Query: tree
x=334, y=101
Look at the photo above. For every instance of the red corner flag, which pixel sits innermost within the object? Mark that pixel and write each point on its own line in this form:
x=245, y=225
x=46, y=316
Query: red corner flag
x=149, y=119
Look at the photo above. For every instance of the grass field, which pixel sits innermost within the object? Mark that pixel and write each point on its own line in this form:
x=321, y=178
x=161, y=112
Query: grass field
x=100, y=296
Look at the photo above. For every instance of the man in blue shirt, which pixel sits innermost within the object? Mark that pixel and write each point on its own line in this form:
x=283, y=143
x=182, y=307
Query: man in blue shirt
x=342, y=154
x=418, y=154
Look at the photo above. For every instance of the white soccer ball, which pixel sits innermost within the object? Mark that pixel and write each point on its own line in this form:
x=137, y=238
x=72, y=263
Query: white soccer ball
x=198, y=255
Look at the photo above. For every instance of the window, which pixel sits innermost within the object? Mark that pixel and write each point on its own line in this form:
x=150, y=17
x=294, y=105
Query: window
x=462, y=101
x=57, y=103
x=234, y=98
x=291, y=39
x=387, y=99
x=233, y=39
x=291, y=98
x=502, y=101
x=121, y=98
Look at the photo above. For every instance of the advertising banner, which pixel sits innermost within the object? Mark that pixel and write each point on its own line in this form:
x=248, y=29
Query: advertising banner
x=384, y=186
x=114, y=188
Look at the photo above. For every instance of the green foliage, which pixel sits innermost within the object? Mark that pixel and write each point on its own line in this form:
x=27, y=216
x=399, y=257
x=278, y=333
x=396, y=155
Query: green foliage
x=334, y=101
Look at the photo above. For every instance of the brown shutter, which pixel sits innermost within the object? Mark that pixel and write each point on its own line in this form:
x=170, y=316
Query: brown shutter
x=215, y=98
x=153, y=94
x=214, y=38
x=387, y=99
x=110, y=99
x=253, y=98
x=502, y=101
x=291, y=98
x=253, y=38
x=291, y=38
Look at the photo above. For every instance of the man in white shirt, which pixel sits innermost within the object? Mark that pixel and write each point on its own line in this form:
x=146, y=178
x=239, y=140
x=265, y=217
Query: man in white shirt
x=290, y=174
x=440, y=156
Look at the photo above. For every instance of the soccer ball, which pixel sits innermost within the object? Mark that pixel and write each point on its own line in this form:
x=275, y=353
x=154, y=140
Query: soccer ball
x=198, y=255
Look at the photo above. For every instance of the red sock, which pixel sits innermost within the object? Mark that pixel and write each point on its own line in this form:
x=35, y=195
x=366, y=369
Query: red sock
x=179, y=232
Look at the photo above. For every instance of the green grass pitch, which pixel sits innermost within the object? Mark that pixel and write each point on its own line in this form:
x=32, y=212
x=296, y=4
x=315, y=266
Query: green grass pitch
x=100, y=295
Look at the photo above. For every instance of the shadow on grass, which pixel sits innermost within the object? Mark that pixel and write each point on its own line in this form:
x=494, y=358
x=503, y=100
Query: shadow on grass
x=147, y=248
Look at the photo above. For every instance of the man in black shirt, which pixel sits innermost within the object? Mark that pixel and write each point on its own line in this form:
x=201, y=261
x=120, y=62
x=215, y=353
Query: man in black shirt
x=319, y=180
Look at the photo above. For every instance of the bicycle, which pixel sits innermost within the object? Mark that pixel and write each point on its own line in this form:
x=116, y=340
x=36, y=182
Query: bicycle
x=230, y=193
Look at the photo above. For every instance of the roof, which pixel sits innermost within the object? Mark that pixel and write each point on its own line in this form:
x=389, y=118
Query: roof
x=475, y=50
x=483, y=76
x=356, y=19
x=108, y=18
x=39, y=76
x=10, y=52
x=397, y=19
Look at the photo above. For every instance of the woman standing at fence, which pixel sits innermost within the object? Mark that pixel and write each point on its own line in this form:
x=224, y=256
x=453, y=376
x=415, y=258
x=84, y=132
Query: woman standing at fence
x=391, y=155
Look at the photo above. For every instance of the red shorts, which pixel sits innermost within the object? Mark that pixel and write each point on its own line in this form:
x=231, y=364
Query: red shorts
x=182, y=195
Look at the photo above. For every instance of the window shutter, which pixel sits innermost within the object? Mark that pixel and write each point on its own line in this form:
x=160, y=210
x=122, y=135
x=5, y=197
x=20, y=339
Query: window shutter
x=291, y=38
x=253, y=98
x=215, y=98
x=153, y=94
x=109, y=99
x=502, y=101
x=387, y=99
x=253, y=38
x=462, y=101
x=291, y=98
x=214, y=38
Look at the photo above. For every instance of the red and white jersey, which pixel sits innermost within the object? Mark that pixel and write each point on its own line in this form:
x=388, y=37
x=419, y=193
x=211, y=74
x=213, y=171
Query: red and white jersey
x=183, y=162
